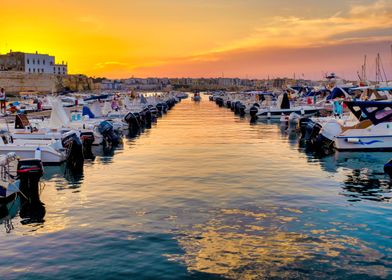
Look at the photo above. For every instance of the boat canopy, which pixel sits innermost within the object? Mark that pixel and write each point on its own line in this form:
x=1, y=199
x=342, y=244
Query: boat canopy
x=98, y=97
x=87, y=112
x=376, y=111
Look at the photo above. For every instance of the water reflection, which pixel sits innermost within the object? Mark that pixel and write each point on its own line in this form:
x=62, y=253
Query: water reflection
x=363, y=175
x=206, y=194
x=31, y=211
x=244, y=244
x=8, y=212
x=73, y=178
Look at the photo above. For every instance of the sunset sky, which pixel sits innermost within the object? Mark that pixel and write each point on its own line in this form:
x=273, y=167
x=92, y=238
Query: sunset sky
x=203, y=38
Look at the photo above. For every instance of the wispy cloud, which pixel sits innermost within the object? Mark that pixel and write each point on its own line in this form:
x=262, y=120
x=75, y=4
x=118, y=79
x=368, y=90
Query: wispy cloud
x=364, y=23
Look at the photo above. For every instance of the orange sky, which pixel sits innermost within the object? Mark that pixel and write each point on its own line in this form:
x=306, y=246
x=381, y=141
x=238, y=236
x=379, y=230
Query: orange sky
x=202, y=38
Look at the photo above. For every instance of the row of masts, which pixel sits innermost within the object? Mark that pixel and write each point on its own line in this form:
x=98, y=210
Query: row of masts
x=380, y=73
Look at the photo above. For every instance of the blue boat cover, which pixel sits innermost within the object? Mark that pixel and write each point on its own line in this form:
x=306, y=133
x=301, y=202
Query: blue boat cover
x=87, y=112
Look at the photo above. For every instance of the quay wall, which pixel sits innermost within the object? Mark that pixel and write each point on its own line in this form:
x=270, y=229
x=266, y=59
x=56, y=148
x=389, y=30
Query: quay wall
x=15, y=82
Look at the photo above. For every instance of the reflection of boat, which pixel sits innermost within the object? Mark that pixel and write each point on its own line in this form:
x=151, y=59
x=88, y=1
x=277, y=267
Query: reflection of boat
x=388, y=168
x=364, y=177
x=373, y=161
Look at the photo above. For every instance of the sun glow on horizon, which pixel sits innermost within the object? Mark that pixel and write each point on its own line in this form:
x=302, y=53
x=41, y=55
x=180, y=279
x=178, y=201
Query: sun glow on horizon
x=198, y=38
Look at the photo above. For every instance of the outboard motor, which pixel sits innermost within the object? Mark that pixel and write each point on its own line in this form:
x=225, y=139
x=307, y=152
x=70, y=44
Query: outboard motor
x=160, y=108
x=147, y=117
x=88, y=139
x=388, y=168
x=312, y=131
x=325, y=139
x=74, y=146
x=107, y=131
x=242, y=108
x=168, y=104
x=237, y=107
x=254, y=110
x=133, y=120
x=142, y=118
x=228, y=104
x=303, y=122
x=211, y=98
x=30, y=172
x=154, y=112
x=219, y=101
x=232, y=106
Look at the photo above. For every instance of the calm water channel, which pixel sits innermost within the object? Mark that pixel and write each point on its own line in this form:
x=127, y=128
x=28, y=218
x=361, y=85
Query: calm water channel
x=206, y=195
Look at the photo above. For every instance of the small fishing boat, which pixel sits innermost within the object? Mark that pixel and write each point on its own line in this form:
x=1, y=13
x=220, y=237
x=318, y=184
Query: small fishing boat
x=196, y=97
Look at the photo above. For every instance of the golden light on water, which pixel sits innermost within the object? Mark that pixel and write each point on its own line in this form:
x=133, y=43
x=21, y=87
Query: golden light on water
x=240, y=249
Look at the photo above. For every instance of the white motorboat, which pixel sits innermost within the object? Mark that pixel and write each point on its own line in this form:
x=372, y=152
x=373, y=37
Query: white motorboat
x=283, y=108
x=49, y=151
x=374, y=133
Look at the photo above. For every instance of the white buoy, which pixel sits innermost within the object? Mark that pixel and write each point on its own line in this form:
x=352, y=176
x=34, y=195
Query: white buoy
x=37, y=154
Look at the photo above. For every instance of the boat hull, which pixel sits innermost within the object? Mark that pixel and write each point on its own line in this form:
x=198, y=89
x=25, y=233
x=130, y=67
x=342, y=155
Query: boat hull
x=277, y=114
x=380, y=143
x=48, y=156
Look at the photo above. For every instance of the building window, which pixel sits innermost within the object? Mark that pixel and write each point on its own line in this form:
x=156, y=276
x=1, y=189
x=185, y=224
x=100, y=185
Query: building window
x=28, y=61
x=42, y=70
x=34, y=70
x=33, y=61
x=29, y=70
x=37, y=61
x=43, y=62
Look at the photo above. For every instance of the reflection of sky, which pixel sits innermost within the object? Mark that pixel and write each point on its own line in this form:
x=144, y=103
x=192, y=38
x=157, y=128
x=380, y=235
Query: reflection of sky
x=247, y=245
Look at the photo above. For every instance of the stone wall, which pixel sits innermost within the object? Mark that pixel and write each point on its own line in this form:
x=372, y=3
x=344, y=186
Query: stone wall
x=15, y=82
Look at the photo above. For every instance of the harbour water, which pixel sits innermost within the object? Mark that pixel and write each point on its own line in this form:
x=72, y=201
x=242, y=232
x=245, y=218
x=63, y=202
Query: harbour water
x=205, y=194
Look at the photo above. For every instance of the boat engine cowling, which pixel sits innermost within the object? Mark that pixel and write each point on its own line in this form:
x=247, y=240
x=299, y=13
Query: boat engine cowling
x=232, y=106
x=331, y=129
x=107, y=131
x=29, y=172
x=133, y=120
x=303, y=122
x=242, y=108
x=253, y=111
x=312, y=131
x=74, y=146
x=88, y=139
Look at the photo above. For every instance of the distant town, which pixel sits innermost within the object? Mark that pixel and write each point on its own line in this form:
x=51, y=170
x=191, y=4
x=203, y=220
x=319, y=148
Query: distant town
x=27, y=72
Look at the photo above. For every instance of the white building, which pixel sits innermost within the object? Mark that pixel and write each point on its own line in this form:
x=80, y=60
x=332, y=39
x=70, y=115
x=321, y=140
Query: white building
x=38, y=63
x=32, y=63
